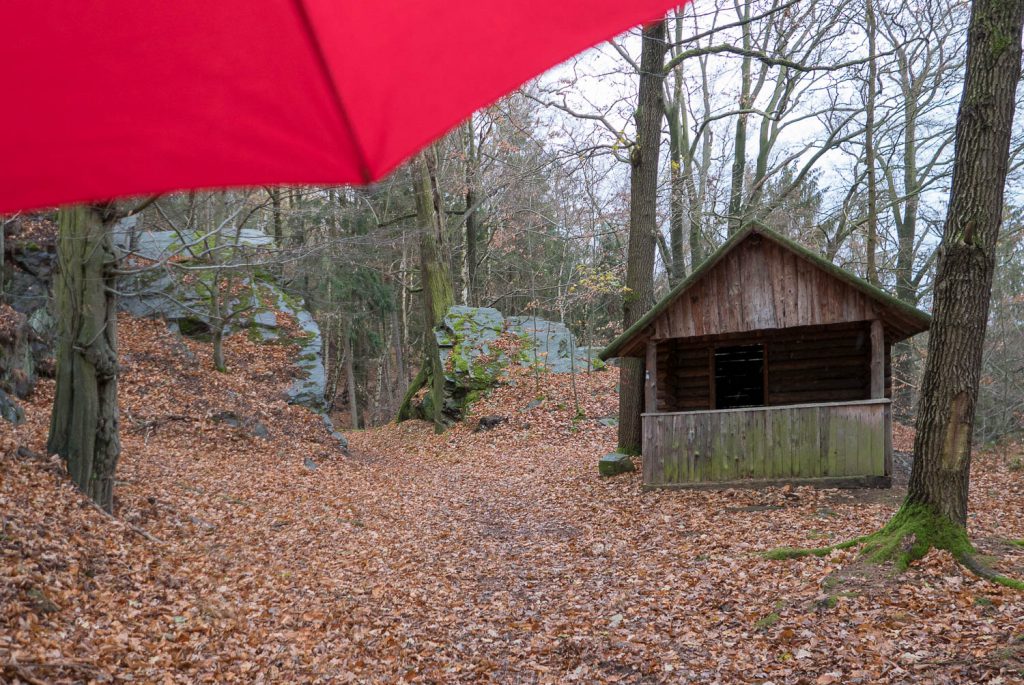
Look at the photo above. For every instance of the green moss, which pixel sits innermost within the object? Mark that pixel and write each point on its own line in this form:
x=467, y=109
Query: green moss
x=194, y=328
x=1017, y=543
x=781, y=553
x=631, y=450
x=768, y=621
x=913, y=531
x=908, y=536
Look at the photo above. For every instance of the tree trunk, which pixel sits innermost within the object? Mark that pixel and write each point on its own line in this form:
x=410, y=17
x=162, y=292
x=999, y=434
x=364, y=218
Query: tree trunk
x=906, y=225
x=436, y=281
x=275, y=203
x=84, y=422
x=401, y=375
x=966, y=262
x=643, y=227
x=678, y=146
x=350, y=379
x=739, y=161
x=472, y=222
x=871, y=244
x=218, y=347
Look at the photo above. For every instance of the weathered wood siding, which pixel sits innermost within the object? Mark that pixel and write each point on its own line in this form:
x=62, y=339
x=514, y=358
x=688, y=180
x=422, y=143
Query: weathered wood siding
x=823, y=441
x=684, y=376
x=760, y=285
x=805, y=365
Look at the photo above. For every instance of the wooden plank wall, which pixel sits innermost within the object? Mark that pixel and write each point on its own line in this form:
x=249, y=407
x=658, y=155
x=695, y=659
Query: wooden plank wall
x=832, y=365
x=684, y=376
x=760, y=285
x=826, y=441
x=819, y=364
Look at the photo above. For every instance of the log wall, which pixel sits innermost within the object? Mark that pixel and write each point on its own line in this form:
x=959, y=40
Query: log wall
x=833, y=443
x=804, y=365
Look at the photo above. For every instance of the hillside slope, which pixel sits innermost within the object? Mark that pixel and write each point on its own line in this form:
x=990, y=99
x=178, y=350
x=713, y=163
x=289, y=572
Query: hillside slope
x=490, y=556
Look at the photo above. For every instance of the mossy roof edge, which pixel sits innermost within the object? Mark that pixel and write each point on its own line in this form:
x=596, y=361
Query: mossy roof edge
x=922, y=319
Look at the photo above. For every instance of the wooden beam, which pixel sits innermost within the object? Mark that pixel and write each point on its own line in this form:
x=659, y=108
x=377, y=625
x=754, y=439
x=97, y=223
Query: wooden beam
x=651, y=378
x=711, y=377
x=877, y=360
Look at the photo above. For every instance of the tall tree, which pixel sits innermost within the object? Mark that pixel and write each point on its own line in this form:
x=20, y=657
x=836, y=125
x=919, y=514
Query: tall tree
x=643, y=225
x=934, y=514
x=471, y=221
x=436, y=282
x=871, y=245
x=84, y=421
x=966, y=262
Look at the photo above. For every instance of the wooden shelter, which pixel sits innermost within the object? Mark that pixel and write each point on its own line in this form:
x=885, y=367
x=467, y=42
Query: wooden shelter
x=768, y=364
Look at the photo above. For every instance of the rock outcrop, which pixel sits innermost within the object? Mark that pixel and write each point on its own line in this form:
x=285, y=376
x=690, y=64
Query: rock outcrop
x=185, y=307
x=26, y=325
x=478, y=344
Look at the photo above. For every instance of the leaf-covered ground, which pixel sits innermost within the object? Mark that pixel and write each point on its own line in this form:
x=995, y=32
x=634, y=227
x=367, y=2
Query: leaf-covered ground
x=493, y=556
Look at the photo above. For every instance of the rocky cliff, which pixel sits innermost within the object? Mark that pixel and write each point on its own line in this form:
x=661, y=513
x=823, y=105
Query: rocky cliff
x=27, y=327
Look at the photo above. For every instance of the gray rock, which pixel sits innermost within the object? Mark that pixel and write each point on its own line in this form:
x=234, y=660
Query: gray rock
x=615, y=463
x=533, y=404
x=228, y=418
x=465, y=340
x=342, y=440
x=487, y=423
x=608, y=421
x=157, y=245
x=260, y=431
x=265, y=318
x=9, y=409
x=309, y=464
x=551, y=346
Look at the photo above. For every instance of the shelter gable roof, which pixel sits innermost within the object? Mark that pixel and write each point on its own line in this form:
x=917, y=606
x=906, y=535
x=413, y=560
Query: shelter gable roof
x=902, y=317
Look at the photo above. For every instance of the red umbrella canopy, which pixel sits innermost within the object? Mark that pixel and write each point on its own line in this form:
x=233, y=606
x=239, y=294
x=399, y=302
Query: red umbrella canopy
x=128, y=97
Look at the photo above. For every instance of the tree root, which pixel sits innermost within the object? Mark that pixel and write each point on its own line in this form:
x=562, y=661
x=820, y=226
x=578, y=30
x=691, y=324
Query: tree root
x=907, y=537
x=405, y=410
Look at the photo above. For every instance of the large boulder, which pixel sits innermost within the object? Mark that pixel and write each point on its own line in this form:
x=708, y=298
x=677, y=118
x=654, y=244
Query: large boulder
x=552, y=346
x=474, y=361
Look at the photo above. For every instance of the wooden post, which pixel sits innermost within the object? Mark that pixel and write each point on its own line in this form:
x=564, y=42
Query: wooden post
x=877, y=360
x=651, y=378
x=711, y=377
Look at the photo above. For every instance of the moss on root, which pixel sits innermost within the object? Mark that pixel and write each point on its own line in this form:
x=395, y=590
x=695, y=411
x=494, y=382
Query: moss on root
x=907, y=537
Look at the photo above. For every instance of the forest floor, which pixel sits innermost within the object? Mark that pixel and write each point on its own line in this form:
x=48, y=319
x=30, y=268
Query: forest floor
x=495, y=556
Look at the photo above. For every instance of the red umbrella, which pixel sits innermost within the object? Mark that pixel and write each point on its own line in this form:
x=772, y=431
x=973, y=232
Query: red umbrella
x=104, y=98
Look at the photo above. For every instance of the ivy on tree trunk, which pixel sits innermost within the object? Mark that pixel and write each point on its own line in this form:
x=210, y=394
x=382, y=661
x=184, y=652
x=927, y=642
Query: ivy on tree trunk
x=84, y=422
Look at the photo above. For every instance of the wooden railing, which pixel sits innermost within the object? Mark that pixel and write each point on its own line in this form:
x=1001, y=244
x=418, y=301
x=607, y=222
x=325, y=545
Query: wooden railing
x=845, y=442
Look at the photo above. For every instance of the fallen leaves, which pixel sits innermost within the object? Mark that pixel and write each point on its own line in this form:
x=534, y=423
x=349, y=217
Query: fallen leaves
x=492, y=556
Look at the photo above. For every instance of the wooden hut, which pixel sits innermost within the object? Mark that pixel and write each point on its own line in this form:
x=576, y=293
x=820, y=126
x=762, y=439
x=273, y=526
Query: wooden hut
x=768, y=364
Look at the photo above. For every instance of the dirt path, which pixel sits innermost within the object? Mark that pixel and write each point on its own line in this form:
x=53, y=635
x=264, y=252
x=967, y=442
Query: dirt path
x=497, y=556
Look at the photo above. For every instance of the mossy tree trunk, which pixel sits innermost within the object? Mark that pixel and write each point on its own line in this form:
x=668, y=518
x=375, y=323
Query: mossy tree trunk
x=966, y=261
x=84, y=422
x=437, y=291
x=643, y=227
